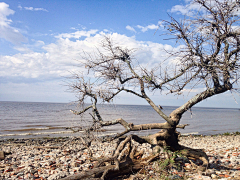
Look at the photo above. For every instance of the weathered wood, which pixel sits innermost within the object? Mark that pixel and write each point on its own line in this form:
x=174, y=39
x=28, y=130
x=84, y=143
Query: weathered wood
x=125, y=167
x=89, y=173
x=197, y=154
x=2, y=155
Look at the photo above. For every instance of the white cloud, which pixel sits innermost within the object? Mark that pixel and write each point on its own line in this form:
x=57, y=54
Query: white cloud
x=39, y=73
x=30, y=47
x=61, y=57
x=149, y=27
x=9, y=33
x=77, y=34
x=188, y=8
x=73, y=28
x=192, y=6
x=20, y=7
x=130, y=28
x=4, y=12
x=145, y=28
x=29, y=68
x=22, y=49
x=34, y=9
x=180, y=8
x=39, y=43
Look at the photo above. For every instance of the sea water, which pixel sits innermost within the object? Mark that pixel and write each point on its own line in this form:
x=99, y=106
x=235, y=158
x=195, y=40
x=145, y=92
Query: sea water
x=38, y=119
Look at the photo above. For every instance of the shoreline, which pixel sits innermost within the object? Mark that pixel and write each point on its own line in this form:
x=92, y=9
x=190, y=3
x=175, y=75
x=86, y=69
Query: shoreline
x=71, y=134
x=62, y=134
x=54, y=158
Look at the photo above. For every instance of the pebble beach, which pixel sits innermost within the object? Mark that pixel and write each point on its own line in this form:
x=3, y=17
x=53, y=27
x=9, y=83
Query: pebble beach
x=56, y=158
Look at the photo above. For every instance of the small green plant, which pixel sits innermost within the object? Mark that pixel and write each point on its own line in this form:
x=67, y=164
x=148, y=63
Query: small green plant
x=46, y=137
x=226, y=134
x=169, y=163
x=237, y=133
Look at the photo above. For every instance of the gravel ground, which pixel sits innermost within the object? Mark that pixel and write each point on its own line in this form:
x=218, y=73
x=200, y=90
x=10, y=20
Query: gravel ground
x=60, y=157
x=223, y=153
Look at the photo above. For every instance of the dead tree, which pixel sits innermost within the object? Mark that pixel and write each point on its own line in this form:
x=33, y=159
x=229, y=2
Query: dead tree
x=209, y=56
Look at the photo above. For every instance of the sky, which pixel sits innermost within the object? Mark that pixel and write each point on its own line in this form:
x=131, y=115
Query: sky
x=42, y=42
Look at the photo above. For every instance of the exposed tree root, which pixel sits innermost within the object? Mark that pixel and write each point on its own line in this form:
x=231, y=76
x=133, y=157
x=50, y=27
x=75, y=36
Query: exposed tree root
x=196, y=154
x=126, y=160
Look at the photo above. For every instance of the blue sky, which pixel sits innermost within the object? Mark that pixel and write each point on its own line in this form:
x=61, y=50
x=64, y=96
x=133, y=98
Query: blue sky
x=41, y=41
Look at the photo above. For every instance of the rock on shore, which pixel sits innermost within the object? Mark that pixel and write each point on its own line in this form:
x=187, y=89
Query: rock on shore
x=57, y=158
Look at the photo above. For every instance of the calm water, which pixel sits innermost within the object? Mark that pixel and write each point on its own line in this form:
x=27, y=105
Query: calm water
x=27, y=119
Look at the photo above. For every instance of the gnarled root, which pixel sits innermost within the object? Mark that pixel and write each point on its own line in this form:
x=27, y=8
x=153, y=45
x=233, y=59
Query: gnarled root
x=125, y=160
x=196, y=154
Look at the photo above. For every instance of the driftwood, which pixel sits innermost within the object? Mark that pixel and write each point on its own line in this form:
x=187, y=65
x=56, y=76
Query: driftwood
x=124, y=161
x=113, y=170
x=3, y=154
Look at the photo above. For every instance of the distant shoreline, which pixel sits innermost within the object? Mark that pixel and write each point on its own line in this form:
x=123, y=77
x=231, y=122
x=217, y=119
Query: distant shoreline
x=213, y=107
x=75, y=136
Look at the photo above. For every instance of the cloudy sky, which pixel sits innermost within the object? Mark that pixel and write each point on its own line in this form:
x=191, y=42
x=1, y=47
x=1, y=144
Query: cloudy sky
x=42, y=41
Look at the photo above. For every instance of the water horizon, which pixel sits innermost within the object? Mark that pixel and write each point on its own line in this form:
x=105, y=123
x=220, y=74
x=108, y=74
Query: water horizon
x=39, y=119
x=75, y=102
